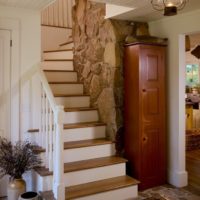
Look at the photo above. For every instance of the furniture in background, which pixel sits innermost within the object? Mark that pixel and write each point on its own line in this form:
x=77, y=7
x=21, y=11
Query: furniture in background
x=189, y=115
x=145, y=113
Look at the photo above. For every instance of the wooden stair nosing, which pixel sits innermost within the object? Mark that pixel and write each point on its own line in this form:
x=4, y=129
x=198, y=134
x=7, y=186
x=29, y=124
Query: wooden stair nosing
x=79, y=109
x=57, y=60
x=65, y=27
x=84, y=125
x=65, y=43
x=59, y=50
x=65, y=82
x=93, y=163
x=56, y=70
x=71, y=95
x=43, y=171
x=97, y=187
x=38, y=150
x=86, y=143
x=47, y=195
x=33, y=130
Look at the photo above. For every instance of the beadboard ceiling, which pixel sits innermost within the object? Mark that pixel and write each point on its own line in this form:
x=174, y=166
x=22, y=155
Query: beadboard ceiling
x=143, y=11
x=30, y=4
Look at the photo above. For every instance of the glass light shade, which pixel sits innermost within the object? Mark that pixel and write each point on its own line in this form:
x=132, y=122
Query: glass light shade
x=169, y=5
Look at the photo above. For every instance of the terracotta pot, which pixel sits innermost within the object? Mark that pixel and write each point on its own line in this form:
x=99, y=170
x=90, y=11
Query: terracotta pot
x=15, y=188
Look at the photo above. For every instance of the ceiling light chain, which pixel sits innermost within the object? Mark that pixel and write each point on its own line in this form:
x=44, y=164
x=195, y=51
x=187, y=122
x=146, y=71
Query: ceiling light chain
x=169, y=7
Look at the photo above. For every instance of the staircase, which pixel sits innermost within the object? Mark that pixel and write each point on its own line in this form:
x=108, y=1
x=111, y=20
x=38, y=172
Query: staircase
x=91, y=169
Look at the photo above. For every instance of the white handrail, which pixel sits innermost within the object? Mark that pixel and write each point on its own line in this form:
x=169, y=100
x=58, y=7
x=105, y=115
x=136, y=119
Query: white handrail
x=52, y=126
x=46, y=87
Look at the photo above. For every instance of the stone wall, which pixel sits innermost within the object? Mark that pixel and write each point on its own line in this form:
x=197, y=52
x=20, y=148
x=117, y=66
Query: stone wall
x=98, y=60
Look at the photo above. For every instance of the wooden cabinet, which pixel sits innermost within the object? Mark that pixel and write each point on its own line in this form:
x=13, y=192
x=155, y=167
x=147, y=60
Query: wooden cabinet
x=145, y=113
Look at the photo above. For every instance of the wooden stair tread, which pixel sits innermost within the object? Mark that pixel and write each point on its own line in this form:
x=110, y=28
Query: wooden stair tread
x=83, y=125
x=99, y=187
x=86, y=143
x=71, y=95
x=56, y=70
x=33, y=130
x=38, y=150
x=43, y=171
x=59, y=50
x=92, y=163
x=65, y=82
x=64, y=27
x=79, y=109
x=65, y=43
x=58, y=60
x=47, y=195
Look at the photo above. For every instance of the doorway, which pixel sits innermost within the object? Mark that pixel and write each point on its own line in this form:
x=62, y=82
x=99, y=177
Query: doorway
x=192, y=97
x=5, y=100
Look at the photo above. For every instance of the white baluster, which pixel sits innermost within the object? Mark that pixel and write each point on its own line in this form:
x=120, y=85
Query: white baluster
x=50, y=141
x=47, y=130
x=59, y=187
x=43, y=119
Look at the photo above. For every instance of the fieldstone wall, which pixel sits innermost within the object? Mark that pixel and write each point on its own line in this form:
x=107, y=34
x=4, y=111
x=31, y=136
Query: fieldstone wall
x=98, y=60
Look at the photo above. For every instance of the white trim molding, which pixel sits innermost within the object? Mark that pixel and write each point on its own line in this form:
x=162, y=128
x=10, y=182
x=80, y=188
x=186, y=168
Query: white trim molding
x=178, y=178
x=14, y=27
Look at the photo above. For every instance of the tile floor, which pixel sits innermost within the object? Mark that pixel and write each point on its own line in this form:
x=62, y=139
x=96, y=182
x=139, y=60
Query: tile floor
x=167, y=192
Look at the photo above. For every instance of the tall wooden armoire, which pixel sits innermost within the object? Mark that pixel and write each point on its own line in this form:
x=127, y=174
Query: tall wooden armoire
x=145, y=113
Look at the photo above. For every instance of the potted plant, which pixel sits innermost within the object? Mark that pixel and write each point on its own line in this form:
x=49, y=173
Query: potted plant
x=15, y=160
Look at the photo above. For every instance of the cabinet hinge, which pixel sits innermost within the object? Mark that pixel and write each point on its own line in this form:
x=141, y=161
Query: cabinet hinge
x=11, y=43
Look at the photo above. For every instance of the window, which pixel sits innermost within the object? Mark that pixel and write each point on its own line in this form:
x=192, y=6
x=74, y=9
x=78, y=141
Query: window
x=192, y=75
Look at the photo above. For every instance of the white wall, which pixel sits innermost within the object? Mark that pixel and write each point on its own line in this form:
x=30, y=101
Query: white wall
x=52, y=37
x=27, y=40
x=29, y=54
x=174, y=29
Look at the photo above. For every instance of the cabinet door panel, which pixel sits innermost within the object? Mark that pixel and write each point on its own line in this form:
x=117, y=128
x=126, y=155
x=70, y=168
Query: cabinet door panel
x=150, y=146
x=152, y=114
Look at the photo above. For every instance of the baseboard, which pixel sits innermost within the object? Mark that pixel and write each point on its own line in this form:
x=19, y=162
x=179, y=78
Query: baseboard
x=178, y=178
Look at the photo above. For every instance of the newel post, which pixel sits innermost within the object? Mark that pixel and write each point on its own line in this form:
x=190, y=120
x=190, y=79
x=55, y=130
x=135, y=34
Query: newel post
x=58, y=173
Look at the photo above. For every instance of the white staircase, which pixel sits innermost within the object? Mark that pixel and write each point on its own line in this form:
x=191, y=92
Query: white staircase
x=91, y=169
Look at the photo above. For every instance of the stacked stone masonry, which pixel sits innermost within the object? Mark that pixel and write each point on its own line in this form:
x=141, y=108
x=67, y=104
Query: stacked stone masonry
x=98, y=59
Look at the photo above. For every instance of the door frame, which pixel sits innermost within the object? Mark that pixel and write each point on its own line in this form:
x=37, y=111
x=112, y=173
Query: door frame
x=14, y=27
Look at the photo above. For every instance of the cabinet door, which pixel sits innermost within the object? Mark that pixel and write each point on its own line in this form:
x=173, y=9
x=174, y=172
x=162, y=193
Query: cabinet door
x=152, y=91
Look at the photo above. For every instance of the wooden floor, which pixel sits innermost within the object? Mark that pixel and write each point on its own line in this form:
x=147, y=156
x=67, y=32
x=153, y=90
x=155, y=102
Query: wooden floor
x=193, y=168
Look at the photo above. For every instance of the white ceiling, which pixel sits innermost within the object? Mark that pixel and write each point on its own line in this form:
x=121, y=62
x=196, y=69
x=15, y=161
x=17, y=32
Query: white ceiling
x=143, y=10
x=30, y=4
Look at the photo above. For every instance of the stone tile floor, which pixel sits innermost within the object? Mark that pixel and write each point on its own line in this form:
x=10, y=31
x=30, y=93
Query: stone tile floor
x=166, y=192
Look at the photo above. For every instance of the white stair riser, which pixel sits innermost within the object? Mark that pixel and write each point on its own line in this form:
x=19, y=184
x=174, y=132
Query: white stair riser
x=67, y=88
x=73, y=102
x=33, y=138
x=81, y=116
x=94, y=174
x=87, y=133
x=58, y=55
x=67, y=46
x=42, y=156
x=127, y=193
x=61, y=76
x=58, y=65
x=85, y=153
x=42, y=183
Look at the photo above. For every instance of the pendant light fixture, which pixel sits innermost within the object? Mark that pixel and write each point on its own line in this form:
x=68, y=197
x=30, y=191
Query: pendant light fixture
x=170, y=7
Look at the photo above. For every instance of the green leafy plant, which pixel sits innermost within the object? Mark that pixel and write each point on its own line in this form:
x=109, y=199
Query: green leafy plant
x=16, y=159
